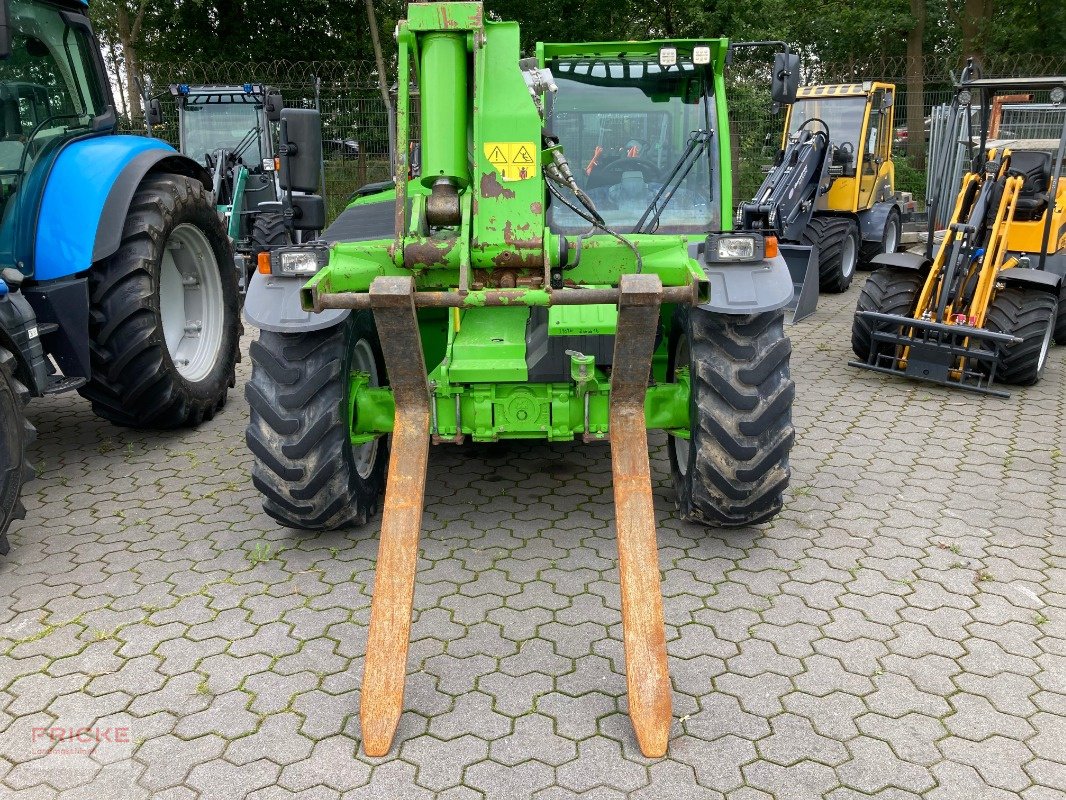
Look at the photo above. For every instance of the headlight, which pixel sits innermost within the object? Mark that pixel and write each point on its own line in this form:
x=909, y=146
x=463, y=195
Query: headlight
x=701, y=54
x=303, y=263
x=734, y=247
x=667, y=56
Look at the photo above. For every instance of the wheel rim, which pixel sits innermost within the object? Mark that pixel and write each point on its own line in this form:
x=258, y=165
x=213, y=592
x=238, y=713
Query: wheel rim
x=1045, y=346
x=681, y=447
x=191, y=302
x=847, y=257
x=892, y=235
x=365, y=455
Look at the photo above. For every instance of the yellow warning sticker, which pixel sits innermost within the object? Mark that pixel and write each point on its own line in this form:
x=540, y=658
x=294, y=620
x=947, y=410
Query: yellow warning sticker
x=514, y=161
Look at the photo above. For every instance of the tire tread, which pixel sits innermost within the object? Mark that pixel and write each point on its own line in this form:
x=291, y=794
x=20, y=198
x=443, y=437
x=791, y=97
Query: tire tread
x=134, y=383
x=303, y=465
x=742, y=430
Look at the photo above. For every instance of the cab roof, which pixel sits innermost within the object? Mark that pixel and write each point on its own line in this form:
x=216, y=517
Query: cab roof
x=842, y=89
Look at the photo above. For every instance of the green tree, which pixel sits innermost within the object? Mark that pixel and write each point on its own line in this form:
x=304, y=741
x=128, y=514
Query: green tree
x=121, y=22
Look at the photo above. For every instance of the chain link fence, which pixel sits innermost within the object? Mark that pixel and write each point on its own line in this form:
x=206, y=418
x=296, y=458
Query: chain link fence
x=355, y=121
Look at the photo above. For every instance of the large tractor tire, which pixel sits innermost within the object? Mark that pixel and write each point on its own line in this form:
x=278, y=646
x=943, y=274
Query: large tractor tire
x=309, y=474
x=16, y=435
x=1030, y=315
x=888, y=243
x=837, y=240
x=886, y=291
x=733, y=470
x=164, y=323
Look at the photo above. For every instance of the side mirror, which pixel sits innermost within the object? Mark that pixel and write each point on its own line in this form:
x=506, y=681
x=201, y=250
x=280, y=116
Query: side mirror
x=273, y=106
x=155, y=111
x=308, y=212
x=301, y=149
x=786, y=79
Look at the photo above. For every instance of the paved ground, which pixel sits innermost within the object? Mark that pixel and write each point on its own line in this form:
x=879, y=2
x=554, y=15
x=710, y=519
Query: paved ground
x=899, y=632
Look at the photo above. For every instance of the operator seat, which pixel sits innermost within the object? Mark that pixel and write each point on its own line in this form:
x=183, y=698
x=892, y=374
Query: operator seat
x=1034, y=167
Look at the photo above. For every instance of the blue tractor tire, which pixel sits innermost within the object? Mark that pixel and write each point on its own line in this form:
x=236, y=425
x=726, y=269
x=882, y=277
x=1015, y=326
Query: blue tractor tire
x=16, y=435
x=164, y=323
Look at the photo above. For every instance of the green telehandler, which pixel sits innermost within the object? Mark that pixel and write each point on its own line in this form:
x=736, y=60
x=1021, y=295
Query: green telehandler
x=561, y=267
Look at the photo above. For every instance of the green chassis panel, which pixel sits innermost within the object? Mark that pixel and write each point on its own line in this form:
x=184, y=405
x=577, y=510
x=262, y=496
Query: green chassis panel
x=489, y=412
x=490, y=346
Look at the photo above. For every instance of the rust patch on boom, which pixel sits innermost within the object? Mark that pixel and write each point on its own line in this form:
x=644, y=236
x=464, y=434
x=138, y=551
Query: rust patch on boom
x=491, y=187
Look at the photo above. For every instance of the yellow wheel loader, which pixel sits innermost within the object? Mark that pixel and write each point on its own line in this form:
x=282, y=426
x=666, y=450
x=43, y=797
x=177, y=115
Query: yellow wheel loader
x=989, y=304
x=855, y=215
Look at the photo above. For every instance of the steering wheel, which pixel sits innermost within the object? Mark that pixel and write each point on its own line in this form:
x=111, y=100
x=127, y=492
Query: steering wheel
x=819, y=120
x=612, y=173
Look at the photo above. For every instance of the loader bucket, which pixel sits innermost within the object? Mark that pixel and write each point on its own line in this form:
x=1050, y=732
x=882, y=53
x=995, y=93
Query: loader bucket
x=803, y=267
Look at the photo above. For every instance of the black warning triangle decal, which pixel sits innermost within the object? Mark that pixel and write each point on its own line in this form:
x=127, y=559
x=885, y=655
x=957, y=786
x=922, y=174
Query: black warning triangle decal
x=497, y=156
x=522, y=156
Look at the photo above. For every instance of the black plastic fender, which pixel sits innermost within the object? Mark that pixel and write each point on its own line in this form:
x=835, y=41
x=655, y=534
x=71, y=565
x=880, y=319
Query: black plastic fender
x=1032, y=278
x=904, y=260
x=872, y=220
x=117, y=205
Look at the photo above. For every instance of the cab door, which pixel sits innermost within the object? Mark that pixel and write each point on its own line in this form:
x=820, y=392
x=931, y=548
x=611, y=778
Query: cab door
x=876, y=178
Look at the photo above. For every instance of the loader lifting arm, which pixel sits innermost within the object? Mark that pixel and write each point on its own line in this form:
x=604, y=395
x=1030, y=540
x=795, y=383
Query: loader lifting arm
x=785, y=204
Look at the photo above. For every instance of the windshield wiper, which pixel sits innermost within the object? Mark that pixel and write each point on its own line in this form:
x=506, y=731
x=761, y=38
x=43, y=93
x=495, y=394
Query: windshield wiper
x=249, y=139
x=693, y=151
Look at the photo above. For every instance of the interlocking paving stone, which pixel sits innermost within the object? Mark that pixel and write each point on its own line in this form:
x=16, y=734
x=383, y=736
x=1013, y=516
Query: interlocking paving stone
x=898, y=632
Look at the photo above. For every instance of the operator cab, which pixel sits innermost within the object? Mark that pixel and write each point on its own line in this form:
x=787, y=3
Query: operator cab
x=841, y=118
x=62, y=100
x=225, y=119
x=638, y=136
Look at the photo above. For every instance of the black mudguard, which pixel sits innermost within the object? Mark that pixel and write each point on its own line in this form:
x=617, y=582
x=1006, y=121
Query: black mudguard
x=905, y=260
x=117, y=205
x=1031, y=278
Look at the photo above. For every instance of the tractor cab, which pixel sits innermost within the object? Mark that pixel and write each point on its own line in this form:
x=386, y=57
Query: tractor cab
x=232, y=120
x=228, y=130
x=52, y=90
x=231, y=131
x=858, y=118
x=640, y=133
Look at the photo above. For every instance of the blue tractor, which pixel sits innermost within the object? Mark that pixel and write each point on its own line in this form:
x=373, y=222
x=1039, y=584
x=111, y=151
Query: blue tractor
x=117, y=274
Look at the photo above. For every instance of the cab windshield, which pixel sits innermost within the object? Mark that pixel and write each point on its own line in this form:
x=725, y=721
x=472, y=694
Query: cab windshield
x=49, y=90
x=638, y=138
x=230, y=125
x=841, y=115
